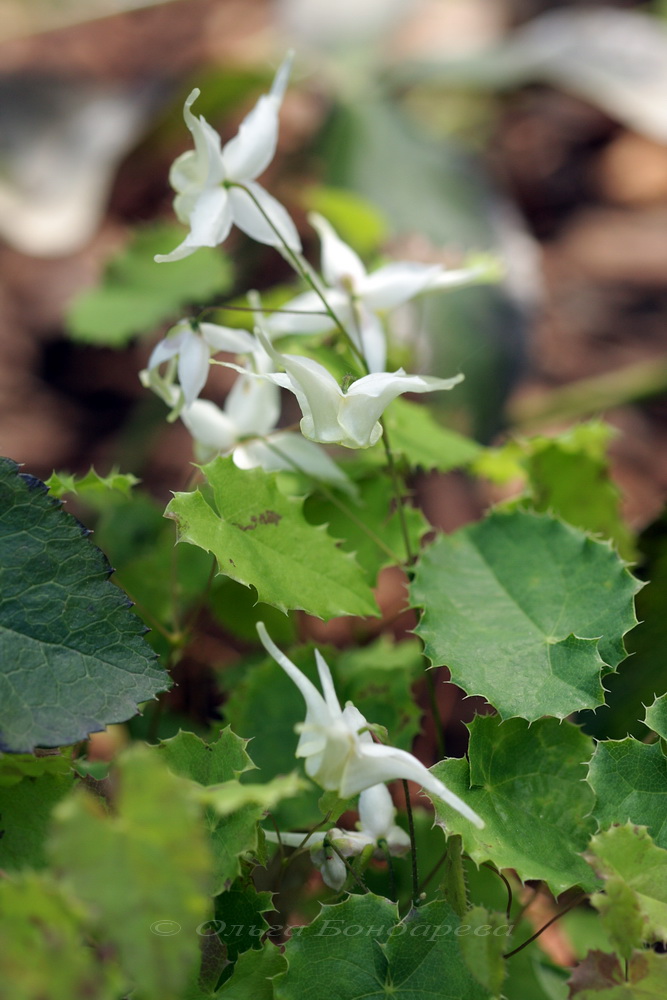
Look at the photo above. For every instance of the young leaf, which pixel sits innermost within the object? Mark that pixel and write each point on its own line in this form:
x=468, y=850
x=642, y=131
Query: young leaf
x=525, y=611
x=142, y=872
x=630, y=781
x=136, y=294
x=526, y=782
x=261, y=538
x=634, y=904
x=84, y=663
x=601, y=977
x=421, y=955
x=92, y=484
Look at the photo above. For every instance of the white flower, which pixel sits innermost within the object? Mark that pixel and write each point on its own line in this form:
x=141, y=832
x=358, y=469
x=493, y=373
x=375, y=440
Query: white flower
x=206, y=179
x=351, y=418
x=356, y=297
x=376, y=823
x=339, y=752
x=193, y=346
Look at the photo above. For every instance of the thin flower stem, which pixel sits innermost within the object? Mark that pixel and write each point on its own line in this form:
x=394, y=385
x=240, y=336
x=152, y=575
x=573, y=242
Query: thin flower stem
x=433, y=872
x=435, y=712
x=398, y=493
x=570, y=906
x=302, y=268
x=384, y=846
x=413, y=844
x=524, y=907
x=510, y=898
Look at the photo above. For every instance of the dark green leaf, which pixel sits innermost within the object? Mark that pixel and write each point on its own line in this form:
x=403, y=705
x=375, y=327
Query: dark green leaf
x=630, y=781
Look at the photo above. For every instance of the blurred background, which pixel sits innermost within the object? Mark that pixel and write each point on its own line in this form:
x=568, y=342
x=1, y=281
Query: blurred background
x=532, y=129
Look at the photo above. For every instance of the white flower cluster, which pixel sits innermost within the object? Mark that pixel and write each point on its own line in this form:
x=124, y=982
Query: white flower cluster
x=216, y=188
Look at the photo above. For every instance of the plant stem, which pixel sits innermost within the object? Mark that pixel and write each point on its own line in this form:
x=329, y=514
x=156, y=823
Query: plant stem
x=570, y=906
x=413, y=844
x=393, y=474
x=510, y=898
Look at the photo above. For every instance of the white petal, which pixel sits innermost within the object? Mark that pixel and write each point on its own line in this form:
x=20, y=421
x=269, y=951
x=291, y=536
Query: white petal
x=314, y=318
x=226, y=338
x=341, y=266
x=454, y=278
x=193, y=365
x=210, y=219
x=334, y=872
x=327, y=685
x=395, y=283
x=254, y=405
x=373, y=340
x=205, y=163
x=209, y=426
x=249, y=153
x=318, y=395
x=263, y=218
x=375, y=763
x=169, y=346
x=297, y=839
x=368, y=397
x=376, y=811
x=316, y=708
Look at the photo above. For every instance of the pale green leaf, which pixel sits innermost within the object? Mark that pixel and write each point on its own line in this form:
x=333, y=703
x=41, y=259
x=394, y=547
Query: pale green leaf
x=526, y=611
x=356, y=220
x=527, y=783
x=418, y=437
x=142, y=871
x=630, y=783
x=73, y=658
x=261, y=538
x=92, y=484
x=136, y=294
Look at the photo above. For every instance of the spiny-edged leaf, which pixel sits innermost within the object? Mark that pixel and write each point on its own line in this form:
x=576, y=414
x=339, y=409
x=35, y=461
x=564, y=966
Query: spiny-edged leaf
x=254, y=975
x=527, y=783
x=73, y=658
x=356, y=220
x=25, y=814
x=630, y=783
x=418, y=956
x=43, y=951
x=136, y=294
x=261, y=538
x=634, y=904
x=232, y=796
x=569, y=475
x=656, y=716
x=213, y=764
x=239, y=918
x=142, y=871
x=372, y=509
x=601, y=977
x=92, y=484
x=418, y=437
x=525, y=611
x=15, y=767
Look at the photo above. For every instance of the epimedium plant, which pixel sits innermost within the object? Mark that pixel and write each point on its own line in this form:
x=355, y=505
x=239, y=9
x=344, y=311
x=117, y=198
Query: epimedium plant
x=192, y=868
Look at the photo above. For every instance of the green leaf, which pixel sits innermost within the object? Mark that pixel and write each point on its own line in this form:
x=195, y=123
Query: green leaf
x=142, y=872
x=239, y=918
x=136, y=294
x=656, y=716
x=43, y=952
x=356, y=220
x=527, y=783
x=92, y=484
x=253, y=975
x=261, y=538
x=72, y=658
x=231, y=810
x=359, y=949
x=421, y=440
x=634, y=903
x=569, y=476
x=525, y=611
x=372, y=508
x=25, y=813
x=630, y=782
x=601, y=977
x=17, y=766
